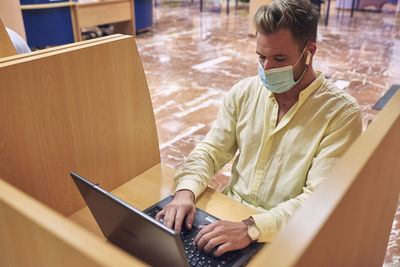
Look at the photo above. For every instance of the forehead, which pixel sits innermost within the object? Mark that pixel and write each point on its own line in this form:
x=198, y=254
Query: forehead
x=279, y=42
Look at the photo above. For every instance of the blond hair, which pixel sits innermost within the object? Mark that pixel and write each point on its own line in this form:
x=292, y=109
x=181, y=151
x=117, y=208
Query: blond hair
x=298, y=16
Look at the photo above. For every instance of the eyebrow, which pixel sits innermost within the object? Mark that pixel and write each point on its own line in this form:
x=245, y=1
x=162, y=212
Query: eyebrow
x=276, y=55
x=258, y=53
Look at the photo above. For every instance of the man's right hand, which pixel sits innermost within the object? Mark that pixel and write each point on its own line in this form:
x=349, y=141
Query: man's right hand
x=180, y=207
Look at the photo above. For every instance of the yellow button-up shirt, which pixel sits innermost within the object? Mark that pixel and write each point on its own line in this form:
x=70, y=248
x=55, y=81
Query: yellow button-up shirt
x=276, y=166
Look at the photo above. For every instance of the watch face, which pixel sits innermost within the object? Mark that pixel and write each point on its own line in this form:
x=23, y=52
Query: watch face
x=253, y=232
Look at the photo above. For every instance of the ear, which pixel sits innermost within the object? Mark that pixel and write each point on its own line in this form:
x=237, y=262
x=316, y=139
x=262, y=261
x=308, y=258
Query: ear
x=311, y=48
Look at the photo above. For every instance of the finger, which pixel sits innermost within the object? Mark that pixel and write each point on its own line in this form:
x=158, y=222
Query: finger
x=180, y=216
x=223, y=248
x=190, y=218
x=203, y=230
x=169, y=217
x=159, y=215
x=201, y=227
x=205, y=239
x=212, y=243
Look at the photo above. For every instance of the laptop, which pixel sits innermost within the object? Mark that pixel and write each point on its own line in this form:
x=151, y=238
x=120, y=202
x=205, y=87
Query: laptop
x=138, y=233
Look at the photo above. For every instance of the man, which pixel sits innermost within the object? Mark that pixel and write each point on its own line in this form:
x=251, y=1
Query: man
x=289, y=126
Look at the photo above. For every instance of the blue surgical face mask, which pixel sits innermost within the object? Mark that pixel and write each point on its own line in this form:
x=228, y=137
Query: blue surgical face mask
x=280, y=80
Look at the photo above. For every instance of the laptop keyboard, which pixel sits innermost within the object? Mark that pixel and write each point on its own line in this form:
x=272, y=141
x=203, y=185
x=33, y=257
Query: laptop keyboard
x=195, y=256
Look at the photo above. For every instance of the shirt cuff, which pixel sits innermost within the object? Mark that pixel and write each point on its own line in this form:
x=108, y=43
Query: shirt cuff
x=265, y=222
x=190, y=185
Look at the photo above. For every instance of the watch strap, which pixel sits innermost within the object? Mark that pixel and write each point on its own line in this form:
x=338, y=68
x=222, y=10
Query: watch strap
x=249, y=221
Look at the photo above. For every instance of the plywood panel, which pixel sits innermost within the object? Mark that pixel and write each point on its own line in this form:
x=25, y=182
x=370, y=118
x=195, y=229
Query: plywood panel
x=33, y=235
x=6, y=46
x=11, y=15
x=347, y=221
x=56, y=48
x=85, y=109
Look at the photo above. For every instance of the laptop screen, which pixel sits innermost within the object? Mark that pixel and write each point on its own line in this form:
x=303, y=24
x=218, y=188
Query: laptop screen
x=131, y=229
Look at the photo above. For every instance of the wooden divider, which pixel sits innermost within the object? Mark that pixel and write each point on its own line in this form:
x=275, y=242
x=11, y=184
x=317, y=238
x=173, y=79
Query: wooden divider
x=11, y=15
x=6, y=46
x=347, y=221
x=85, y=109
x=56, y=48
x=31, y=234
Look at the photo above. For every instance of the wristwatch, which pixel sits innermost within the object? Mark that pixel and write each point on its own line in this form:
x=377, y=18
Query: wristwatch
x=252, y=229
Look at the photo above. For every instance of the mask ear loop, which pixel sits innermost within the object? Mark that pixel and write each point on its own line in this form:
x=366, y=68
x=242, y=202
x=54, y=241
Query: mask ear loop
x=307, y=63
x=308, y=58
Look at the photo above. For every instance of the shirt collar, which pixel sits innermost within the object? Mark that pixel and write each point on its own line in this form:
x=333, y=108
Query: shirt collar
x=312, y=87
x=307, y=91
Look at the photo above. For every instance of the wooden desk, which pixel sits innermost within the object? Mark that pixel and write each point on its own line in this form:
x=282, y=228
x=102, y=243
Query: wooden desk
x=119, y=12
x=96, y=12
x=156, y=184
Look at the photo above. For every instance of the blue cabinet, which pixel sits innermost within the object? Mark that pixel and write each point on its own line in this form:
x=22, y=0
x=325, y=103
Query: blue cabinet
x=47, y=26
x=50, y=24
x=143, y=14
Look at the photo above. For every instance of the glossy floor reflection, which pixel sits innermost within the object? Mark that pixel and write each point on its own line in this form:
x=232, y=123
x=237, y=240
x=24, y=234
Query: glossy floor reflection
x=192, y=59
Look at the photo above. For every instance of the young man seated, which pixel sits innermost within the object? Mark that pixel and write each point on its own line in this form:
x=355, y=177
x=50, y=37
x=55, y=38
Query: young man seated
x=288, y=124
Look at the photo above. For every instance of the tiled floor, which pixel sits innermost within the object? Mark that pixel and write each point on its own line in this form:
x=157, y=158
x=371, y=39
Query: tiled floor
x=192, y=59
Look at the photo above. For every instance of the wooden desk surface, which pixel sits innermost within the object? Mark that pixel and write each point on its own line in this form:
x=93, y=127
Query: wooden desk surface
x=96, y=12
x=154, y=185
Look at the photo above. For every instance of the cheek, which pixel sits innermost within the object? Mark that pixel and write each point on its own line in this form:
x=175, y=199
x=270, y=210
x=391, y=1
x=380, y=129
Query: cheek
x=299, y=69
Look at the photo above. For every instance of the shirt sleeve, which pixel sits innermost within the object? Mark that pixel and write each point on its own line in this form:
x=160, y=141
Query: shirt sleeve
x=209, y=156
x=340, y=134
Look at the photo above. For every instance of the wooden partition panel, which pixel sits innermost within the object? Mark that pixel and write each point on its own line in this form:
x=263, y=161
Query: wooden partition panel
x=31, y=234
x=6, y=46
x=348, y=219
x=85, y=109
x=11, y=15
x=56, y=48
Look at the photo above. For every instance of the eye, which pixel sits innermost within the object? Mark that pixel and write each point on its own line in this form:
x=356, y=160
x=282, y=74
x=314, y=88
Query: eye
x=280, y=58
x=262, y=58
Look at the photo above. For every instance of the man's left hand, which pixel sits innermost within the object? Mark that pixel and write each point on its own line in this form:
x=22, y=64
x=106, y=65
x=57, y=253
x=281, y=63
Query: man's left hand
x=226, y=235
